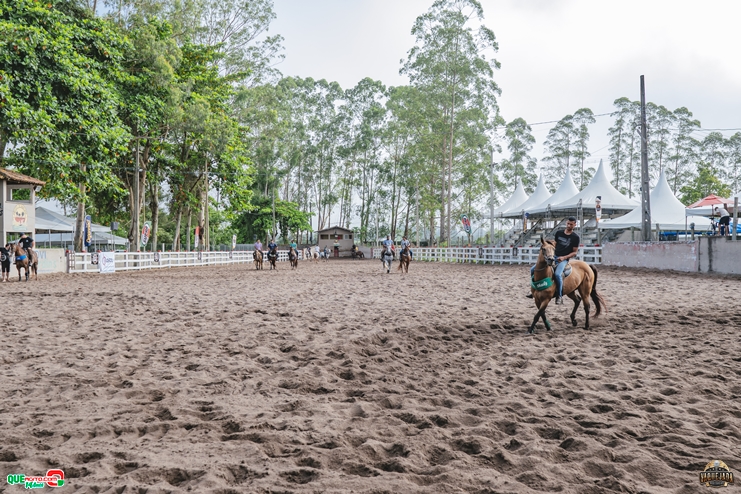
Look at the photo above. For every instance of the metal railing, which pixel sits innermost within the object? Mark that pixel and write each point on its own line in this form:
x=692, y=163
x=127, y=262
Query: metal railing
x=492, y=255
x=79, y=262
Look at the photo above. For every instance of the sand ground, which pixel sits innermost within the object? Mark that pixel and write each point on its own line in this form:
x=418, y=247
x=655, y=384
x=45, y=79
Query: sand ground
x=340, y=378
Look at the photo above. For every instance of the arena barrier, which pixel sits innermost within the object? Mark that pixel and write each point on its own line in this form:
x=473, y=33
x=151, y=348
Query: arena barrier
x=491, y=255
x=84, y=262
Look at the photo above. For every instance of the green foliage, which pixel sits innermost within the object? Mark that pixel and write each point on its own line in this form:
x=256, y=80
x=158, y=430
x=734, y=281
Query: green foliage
x=258, y=222
x=706, y=182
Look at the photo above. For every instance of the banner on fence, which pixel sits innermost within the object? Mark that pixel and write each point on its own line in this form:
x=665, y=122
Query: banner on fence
x=234, y=242
x=146, y=229
x=88, y=231
x=107, y=262
x=196, y=237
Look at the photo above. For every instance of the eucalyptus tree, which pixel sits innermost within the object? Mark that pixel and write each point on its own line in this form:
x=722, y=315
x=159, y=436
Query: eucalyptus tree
x=660, y=123
x=622, y=136
x=734, y=162
x=685, y=149
x=559, y=147
x=450, y=64
x=582, y=118
x=714, y=153
x=520, y=165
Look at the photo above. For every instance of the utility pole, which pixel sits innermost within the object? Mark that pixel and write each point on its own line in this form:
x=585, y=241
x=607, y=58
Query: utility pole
x=417, y=201
x=645, y=198
x=491, y=199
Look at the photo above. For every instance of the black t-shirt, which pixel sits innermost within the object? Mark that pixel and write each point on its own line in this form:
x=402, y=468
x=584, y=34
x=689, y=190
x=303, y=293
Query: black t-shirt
x=565, y=243
x=4, y=255
x=26, y=243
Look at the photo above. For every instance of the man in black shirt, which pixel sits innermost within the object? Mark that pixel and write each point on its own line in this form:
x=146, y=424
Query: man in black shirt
x=26, y=243
x=567, y=246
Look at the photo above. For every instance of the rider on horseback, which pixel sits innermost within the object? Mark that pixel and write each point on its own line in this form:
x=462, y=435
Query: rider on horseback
x=567, y=246
x=258, y=246
x=27, y=243
x=407, y=244
x=272, y=249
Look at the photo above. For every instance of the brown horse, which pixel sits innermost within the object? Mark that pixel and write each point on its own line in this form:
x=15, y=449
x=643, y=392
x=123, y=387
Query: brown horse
x=28, y=261
x=293, y=258
x=404, y=258
x=257, y=256
x=583, y=278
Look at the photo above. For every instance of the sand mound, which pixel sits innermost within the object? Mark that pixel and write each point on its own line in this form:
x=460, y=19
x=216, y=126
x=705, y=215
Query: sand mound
x=341, y=378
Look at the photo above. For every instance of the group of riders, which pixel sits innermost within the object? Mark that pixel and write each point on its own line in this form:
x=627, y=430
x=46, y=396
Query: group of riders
x=26, y=244
x=388, y=249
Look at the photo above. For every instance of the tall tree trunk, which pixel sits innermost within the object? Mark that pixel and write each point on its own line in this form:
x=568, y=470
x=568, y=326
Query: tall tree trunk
x=154, y=205
x=190, y=225
x=80, y=220
x=176, y=241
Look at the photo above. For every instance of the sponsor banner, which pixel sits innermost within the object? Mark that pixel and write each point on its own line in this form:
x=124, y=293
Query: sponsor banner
x=146, y=231
x=106, y=262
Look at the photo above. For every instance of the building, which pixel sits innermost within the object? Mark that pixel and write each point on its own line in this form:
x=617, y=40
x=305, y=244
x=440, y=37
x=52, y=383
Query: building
x=18, y=193
x=336, y=234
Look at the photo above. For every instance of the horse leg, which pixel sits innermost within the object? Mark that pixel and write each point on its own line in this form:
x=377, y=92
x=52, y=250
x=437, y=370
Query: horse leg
x=584, y=291
x=577, y=300
x=540, y=314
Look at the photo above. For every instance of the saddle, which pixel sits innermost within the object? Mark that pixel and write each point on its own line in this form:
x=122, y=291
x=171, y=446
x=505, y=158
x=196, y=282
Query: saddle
x=567, y=271
x=272, y=255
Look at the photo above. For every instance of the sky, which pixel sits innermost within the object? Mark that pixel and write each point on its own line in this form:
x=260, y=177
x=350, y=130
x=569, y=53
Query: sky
x=556, y=55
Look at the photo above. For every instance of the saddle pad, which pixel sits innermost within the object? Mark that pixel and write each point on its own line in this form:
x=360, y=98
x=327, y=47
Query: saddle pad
x=567, y=270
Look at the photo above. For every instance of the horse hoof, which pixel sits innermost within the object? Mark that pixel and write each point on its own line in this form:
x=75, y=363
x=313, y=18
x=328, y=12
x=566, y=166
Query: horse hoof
x=573, y=322
x=531, y=331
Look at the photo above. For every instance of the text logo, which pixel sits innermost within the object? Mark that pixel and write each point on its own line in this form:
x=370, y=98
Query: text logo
x=716, y=474
x=53, y=478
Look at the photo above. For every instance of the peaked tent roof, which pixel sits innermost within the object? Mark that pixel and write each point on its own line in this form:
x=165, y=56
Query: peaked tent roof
x=565, y=191
x=519, y=196
x=612, y=200
x=666, y=210
x=49, y=220
x=540, y=194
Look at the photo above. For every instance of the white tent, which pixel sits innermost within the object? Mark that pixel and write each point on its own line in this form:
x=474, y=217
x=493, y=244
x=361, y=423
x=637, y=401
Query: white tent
x=710, y=210
x=612, y=200
x=565, y=191
x=519, y=196
x=540, y=194
x=47, y=220
x=666, y=211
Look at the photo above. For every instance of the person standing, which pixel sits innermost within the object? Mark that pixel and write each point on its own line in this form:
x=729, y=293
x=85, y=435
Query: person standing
x=5, y=261
x=725, y=220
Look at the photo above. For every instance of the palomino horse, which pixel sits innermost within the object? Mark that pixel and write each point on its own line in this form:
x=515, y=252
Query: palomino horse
x=387, y=257
x=22, y=261
x=583, y=278
x=272, y=257
x=257, y=256
x=405, y=258
x=293, y=258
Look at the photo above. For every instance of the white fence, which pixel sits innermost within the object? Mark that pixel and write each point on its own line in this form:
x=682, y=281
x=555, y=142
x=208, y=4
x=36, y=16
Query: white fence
x=492, y=255
x=134, y=261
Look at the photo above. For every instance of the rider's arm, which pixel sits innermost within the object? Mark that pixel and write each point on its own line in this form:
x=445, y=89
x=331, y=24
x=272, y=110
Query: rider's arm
x=572, y=254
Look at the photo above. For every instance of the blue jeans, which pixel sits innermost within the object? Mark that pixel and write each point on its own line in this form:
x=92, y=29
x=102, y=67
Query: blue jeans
x=558, y=275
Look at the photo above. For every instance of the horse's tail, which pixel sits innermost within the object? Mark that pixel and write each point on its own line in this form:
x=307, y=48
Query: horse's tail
x=598, y=300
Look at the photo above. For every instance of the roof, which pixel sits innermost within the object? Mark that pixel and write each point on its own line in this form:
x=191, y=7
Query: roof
x=666, y=210
x=324, y=230
x=49, y=220
x=565, y=191
x=540, y=194
x=518, y=197
x=612, y=200
x=18, y=178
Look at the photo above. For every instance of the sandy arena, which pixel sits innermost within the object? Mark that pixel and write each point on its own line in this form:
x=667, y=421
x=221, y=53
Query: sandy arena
x=339, y=378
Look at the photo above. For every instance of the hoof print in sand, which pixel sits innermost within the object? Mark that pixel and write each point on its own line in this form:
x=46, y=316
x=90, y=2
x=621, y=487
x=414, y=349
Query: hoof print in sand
x=360, y=470
x=303, y=476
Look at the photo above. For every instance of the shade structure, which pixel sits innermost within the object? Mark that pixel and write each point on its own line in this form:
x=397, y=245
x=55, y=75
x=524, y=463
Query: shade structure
x=519, y=196
x=710, y=200
x=565, y=191
x=706, y=205
x=613, y=202
x=48, y=220
x=666, y=210
x=540, y=194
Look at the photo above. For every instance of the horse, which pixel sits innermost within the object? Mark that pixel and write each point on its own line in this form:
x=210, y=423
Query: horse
x=28, y=261
x=356, y=253
x=405, y=258
x=387, y=257
x=257, y=256
x=324, y=254
x=583, y=278
x=293, y=258
x=272, y=257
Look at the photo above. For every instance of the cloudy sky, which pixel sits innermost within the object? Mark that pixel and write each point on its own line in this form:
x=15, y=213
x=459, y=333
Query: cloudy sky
x=557, y=55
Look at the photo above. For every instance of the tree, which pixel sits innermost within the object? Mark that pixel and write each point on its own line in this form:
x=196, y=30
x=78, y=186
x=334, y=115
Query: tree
x=58, y=99
x=703, y=184
x=559, y=146
x=734, y=162
x=582, y=118
x=660, y=121
x=622, y=134
x=685, y=150
x=520, y=165
x=449, y=65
